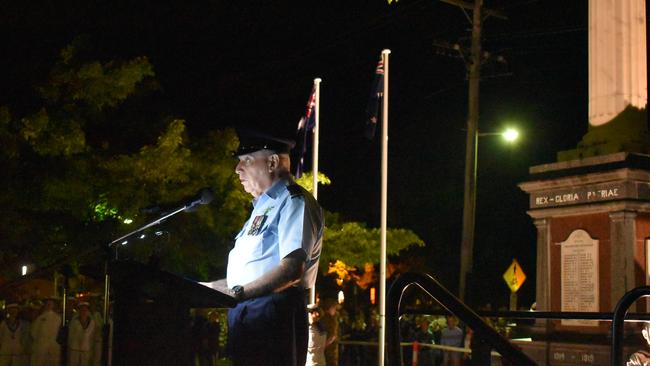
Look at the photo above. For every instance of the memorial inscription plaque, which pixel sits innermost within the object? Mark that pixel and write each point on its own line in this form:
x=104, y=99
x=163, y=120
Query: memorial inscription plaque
x=579, y=275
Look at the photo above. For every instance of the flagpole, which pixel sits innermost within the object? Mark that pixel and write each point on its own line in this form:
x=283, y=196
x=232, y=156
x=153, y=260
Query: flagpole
x=384, y=209
x=312, y=291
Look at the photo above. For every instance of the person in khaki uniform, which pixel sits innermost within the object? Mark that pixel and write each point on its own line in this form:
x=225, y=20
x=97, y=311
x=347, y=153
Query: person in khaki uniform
x=330, y=321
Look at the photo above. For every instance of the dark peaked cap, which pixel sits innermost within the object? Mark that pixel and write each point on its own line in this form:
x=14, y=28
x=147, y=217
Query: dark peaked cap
x=251, y=141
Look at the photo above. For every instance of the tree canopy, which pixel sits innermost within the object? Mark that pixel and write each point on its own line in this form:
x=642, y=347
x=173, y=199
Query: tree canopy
x=76, y=176
x=348, y=246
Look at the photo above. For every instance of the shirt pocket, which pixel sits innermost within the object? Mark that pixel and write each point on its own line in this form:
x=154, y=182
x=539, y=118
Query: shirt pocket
x=249, y=247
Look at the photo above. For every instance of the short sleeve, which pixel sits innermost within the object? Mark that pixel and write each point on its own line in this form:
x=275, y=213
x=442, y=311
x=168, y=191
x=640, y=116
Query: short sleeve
x=291, y=226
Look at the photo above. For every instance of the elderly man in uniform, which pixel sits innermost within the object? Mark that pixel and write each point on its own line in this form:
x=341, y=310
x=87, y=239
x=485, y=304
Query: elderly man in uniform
x=275, y=258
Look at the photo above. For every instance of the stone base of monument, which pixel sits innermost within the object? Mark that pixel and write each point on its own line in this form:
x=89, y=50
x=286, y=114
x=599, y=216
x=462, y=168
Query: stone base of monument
x=593, y=231
x=593, y=245
x=549, y=347
x=554, y=353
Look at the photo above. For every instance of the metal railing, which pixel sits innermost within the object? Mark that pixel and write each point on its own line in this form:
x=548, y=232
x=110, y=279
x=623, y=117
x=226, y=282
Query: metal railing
x=486, y=336
x=618, y=320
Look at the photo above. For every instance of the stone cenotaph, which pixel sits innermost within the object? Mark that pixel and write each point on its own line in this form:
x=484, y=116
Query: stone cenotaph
x=591, y=208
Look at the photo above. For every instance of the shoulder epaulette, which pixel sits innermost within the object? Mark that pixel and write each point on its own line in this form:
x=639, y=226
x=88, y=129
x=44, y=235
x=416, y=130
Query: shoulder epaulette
x=295, y=190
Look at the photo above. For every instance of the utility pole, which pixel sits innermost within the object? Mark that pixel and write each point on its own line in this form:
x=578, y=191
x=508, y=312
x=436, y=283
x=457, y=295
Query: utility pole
x=471, y=144
x=469, y=196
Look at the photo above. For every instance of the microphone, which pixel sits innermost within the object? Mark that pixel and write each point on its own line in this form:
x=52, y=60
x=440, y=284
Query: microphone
x=202, y=197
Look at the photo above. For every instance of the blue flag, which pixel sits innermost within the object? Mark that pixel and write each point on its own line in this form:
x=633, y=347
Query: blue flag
x=305, y=125
x=376, y=94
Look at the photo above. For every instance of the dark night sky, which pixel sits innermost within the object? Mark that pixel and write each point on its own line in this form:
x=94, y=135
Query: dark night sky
x=227, y=63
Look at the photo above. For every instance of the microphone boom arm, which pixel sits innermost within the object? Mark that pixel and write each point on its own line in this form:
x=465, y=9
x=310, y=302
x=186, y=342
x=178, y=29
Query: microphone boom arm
x=205, y=196
x=146, y=226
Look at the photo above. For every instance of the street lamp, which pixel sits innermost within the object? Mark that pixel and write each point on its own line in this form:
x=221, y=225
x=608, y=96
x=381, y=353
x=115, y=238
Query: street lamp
x=510, y=134
x=469, y=209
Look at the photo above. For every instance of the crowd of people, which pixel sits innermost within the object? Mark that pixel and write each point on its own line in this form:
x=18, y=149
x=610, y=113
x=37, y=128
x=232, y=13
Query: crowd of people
x=38, y=338
x=425, y=330
x=336, y=338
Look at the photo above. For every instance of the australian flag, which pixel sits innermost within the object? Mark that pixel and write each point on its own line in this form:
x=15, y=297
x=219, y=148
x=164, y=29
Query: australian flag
x=376, y=94
x=305, y=125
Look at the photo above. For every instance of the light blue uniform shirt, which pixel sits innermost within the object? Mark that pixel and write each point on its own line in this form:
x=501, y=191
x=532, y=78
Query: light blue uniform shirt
x=284, y=218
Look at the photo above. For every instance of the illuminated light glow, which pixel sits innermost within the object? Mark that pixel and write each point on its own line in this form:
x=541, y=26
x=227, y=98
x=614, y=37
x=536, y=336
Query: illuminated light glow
x=24, y=270
x=142, y=236
x=341, y=270
x=373, y=295
x=158, y=233
x=102, y=210
x=511, y=134
x=125, y=242
x=341, y=297
x=127, y=221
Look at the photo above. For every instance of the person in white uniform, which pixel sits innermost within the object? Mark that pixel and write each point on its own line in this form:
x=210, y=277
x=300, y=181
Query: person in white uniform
x=317, y=338
x=14, y=338
x=45, y=349
x=641, y=357
x=81, y=336
x=99, y=335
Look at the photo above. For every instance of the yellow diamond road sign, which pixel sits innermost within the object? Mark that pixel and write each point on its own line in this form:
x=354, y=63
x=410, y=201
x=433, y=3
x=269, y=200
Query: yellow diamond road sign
x=514, y=276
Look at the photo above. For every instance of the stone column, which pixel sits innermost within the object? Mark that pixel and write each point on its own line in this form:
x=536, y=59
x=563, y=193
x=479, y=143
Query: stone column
x=543, y=280
x=622, y=239
x=617, y=58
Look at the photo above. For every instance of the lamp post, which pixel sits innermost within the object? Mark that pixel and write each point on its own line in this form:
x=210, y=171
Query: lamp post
x=469, y=207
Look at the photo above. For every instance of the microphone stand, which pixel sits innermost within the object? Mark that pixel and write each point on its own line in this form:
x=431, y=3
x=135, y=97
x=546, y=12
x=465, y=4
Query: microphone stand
x=115, y=244
x=146, y=226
